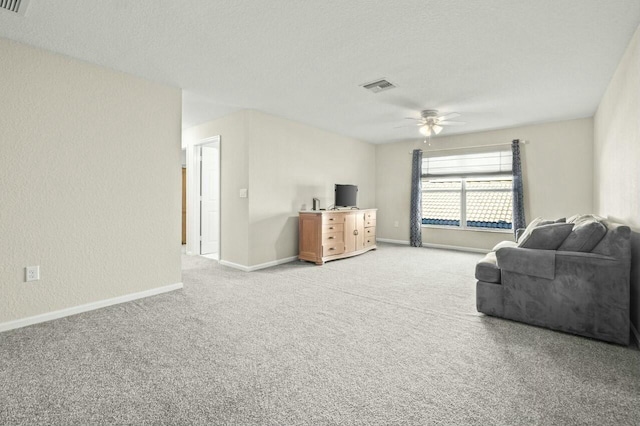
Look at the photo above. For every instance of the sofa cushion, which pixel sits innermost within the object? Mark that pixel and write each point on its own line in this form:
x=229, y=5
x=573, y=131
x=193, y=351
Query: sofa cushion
x=549, y=222
x=616, y=242
x=579, y=218
x=487, y=269
x=546, y=237
x=572, y=219
x=587, y=233
x=538, y=221
x=530, y=227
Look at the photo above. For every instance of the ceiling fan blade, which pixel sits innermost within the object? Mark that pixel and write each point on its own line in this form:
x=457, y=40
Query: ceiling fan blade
x=448, y=116
x=414, y=118
x=451, y=123
x=408, y=125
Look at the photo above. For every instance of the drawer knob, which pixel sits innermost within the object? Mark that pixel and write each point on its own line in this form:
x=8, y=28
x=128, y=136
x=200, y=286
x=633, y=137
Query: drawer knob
x=331, y=227
x=355, y=232
x=332, y=248
x=331, y=238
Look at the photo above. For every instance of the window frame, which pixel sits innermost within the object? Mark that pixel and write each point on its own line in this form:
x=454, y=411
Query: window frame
x=463, y=200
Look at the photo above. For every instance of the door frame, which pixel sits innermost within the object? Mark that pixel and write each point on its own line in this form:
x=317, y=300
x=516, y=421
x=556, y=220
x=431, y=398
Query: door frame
x=193, y=194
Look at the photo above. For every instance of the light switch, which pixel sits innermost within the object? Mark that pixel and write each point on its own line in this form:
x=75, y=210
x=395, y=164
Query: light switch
x=243, y=192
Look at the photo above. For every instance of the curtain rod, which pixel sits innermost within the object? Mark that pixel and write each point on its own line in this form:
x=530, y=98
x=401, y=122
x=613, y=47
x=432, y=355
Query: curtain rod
x=523, y=142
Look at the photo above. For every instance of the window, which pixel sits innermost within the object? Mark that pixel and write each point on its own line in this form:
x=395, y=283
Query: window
x=471, y=191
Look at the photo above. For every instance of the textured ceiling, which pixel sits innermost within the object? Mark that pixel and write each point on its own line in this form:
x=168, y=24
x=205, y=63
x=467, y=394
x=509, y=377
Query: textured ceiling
x=499, y=63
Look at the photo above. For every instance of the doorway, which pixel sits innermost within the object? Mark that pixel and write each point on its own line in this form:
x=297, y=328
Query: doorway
x=209, y=200
x=184, y=205
x=203, y=198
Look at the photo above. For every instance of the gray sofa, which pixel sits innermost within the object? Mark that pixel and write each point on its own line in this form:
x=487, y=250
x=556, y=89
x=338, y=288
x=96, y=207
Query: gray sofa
x=572, y=277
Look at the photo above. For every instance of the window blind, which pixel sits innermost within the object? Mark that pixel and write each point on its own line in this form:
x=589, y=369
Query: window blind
x=486, y=163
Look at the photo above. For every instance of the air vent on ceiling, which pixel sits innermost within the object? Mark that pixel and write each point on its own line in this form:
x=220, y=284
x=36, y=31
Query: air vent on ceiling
x=15, y=6
x=378, y=86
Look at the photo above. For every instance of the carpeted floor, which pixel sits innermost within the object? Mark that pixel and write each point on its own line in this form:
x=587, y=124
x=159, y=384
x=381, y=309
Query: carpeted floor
x=390, y=337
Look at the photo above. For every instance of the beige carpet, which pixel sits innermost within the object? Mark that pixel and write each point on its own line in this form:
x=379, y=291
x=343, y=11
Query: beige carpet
x=389, y=337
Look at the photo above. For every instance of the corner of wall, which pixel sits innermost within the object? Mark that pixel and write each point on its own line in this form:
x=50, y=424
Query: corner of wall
x=86, y=181
x=234, y=157
x=616, y=149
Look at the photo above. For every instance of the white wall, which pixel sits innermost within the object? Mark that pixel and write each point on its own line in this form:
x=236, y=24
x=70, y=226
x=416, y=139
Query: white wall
x=617, y=156
x=284, y=164
x=90, y=182
x=234, y=174
x=557, y=167
x=289, y=164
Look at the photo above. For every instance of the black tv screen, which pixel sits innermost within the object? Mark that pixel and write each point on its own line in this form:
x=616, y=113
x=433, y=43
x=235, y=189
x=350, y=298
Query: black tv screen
x=346, y=196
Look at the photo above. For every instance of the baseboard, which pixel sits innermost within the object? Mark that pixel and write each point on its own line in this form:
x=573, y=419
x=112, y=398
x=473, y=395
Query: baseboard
x=260, y=266
x=386, y=240
x=636, y=335
x=457, y=248
x=234, y=265
x=49, y=316
x=438, y=246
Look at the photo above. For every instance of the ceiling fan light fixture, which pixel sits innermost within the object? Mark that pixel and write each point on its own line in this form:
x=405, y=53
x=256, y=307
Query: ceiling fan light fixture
x=431, y=124
x=425, y=130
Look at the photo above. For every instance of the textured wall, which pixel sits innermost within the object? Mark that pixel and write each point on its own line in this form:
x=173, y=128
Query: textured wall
x=234, y=174
x=289, y=164
x=284, y=164
x=557, y=168
x=617, y=157
x=90, y=182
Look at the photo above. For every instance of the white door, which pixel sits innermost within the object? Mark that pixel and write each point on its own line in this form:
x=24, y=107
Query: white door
x=210, y=200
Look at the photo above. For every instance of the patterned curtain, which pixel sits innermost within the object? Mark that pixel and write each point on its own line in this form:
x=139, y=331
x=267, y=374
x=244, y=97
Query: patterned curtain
x=415, y=219
x=518, y=195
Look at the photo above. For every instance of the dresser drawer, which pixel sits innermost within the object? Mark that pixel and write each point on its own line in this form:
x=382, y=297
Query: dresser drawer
x=369, y=240
x=332, y=227
x=369, y=222
x=329, y=218
x=371, y=215
x=370, y=231
x=330, y=249
x=332, y=237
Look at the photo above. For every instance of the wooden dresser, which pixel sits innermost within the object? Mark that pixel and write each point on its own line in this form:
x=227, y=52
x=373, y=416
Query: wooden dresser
x=335, y=234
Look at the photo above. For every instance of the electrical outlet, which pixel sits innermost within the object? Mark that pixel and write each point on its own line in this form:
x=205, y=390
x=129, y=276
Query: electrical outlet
x=32, y=273
x=243, y=193
x=396, y=224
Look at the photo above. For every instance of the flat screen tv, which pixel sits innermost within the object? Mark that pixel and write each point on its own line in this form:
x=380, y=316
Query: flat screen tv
x=346, y=196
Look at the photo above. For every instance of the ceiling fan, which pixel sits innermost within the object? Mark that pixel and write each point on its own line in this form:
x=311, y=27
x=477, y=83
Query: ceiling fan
x=430, y=123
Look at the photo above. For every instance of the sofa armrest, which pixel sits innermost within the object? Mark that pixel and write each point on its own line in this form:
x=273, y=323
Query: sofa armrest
x=545, y=263
x=597, y=268
x=590, y=258
x=537, y=263
x=519, y=233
